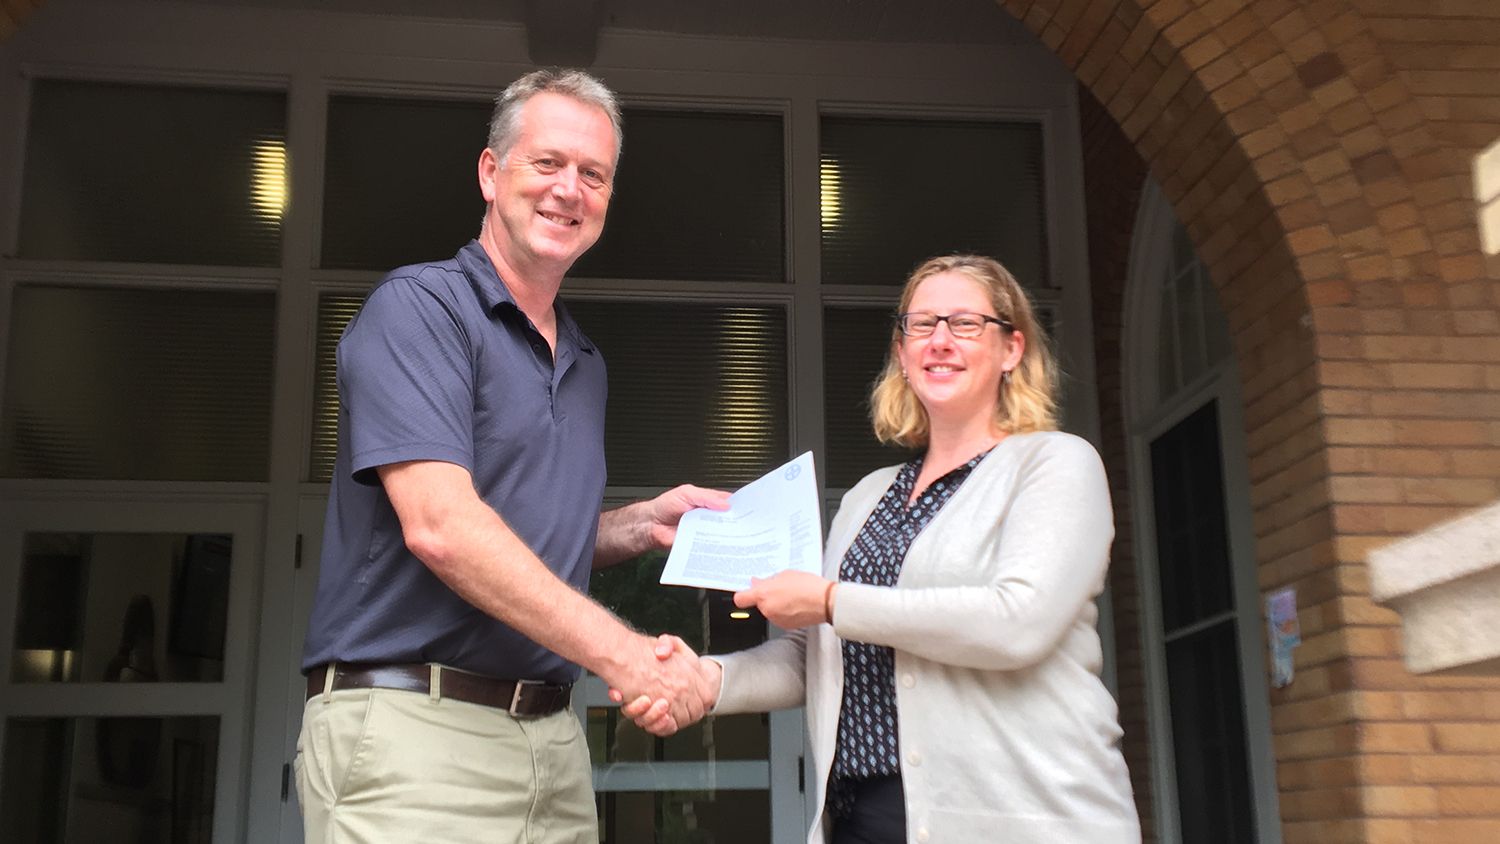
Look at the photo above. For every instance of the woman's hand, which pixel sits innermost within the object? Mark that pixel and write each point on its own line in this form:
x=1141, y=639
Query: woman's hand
x=790, y=599
x=654, y=716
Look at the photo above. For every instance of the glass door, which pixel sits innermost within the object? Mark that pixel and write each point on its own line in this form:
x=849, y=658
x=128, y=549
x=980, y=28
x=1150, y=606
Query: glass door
x=125, y=655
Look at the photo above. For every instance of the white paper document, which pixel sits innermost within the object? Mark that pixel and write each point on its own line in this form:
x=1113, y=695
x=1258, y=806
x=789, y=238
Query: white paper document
x=772, y=524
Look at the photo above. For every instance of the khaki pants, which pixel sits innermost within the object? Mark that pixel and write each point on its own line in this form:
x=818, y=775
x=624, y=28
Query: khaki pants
x=378, y=765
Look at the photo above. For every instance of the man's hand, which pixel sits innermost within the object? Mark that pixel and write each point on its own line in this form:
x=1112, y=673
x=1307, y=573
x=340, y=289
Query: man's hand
x=790, y=599
x=655, y=715
x=666, y=510
x=651, y=525
x=665, y=680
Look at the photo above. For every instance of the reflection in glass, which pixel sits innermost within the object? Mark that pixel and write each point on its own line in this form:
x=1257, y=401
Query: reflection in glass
x=122, y=608
x=720, y=738
x=142, y=780
x=685, y=817
x=702, y=617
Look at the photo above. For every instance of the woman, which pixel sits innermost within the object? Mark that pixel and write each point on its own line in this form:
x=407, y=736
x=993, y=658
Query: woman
x=949, y=663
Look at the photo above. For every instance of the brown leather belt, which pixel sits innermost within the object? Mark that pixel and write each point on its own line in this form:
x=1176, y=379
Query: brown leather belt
x=522, y=698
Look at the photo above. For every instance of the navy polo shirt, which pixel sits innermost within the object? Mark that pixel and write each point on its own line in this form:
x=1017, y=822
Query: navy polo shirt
x=440, y=364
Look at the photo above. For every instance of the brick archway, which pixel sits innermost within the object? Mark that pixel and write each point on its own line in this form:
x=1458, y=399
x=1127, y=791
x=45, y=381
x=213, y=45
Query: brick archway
x=1320, y=153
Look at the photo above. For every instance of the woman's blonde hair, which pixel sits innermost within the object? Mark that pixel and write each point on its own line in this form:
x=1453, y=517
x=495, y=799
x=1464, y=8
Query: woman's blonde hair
x=1028, y=397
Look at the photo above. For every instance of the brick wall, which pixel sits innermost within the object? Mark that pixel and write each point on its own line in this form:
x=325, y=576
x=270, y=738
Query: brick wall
x=1320, y=153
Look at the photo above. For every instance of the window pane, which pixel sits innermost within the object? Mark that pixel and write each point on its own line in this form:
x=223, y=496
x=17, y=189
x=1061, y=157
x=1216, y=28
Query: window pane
x=895, y=192
x=699, y=196
x=697, y=393
x=387, y=157
x=154, y=173
x=1215, y=325
x=122, y=608
x=1189, y=327
x=1191, y=537
x=138, y=384
x=684, y=817
x=855, y=341
x=401, y=184
x=1208, y=737
x=334, y=312
x=706, y=620
x=109, y=779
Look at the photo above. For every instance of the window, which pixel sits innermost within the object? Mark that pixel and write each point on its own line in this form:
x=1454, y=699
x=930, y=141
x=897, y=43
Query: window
x=895, y=192
x=112, y=176
x=1206, y=695
x=138, y=384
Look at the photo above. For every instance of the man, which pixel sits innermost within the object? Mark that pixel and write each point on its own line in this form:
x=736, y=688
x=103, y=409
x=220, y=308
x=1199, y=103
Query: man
x=450, y=617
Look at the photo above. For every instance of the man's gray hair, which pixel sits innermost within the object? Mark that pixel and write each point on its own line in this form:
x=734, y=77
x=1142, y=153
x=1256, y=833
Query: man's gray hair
x=505, y=123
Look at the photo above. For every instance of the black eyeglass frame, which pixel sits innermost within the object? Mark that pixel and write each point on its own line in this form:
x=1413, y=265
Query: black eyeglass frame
x=901, y=320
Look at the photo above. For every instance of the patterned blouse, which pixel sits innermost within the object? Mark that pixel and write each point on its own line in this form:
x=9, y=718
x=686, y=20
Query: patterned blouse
x=866, y=745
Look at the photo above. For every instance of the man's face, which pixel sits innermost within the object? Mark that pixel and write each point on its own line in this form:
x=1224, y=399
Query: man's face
x=549, y=195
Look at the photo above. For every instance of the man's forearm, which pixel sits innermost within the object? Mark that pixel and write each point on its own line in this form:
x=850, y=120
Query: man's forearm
x=623, y=534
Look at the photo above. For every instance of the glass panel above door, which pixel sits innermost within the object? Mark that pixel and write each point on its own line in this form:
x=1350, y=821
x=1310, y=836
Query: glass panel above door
x=157, y=174
x=895, y=192
x=699, y=196
x=122, y=608
x=400, y=180
x=426, y=202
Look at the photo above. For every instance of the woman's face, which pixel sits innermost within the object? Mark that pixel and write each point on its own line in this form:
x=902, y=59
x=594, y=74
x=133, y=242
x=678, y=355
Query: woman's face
x=957, y=378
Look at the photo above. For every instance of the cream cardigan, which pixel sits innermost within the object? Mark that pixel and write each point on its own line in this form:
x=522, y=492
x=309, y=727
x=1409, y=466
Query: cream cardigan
x=1006, y=733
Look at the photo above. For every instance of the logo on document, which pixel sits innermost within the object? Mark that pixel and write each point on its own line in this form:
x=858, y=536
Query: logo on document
x=792, y=472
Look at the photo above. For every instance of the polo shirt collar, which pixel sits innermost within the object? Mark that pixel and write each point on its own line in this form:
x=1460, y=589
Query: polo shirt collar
x=494, y=294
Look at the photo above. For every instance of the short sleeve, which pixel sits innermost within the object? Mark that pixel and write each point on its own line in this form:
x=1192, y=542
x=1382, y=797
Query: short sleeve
x=406, y=381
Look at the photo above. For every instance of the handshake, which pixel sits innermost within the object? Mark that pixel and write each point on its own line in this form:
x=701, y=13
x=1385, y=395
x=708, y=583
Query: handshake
x=672, y=687
x=679, y=686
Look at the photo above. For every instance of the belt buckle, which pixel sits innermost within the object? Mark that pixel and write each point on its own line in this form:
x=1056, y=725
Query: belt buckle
x=515, y=695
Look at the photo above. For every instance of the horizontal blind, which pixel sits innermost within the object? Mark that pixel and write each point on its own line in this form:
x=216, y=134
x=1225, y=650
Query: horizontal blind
x=697, y=392
x=855, y=343
x=895, y=192
x=334, y=312
x=154, y=174
x=135, y=384
x=699, y=196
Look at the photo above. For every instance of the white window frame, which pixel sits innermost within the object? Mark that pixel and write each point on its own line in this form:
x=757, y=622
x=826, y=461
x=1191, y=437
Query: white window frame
x=1149, y=418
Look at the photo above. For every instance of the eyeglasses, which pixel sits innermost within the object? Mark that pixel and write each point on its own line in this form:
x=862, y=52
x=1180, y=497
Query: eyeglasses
x=967, y=325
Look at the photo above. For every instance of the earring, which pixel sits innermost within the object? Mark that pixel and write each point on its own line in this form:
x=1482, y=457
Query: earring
x=1005, y=378
x=903, y=375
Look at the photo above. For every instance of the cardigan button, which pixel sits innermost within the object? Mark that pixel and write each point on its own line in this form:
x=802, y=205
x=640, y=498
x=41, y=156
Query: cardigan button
x=908, y=681
x=914, y=759
x=923, y=836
